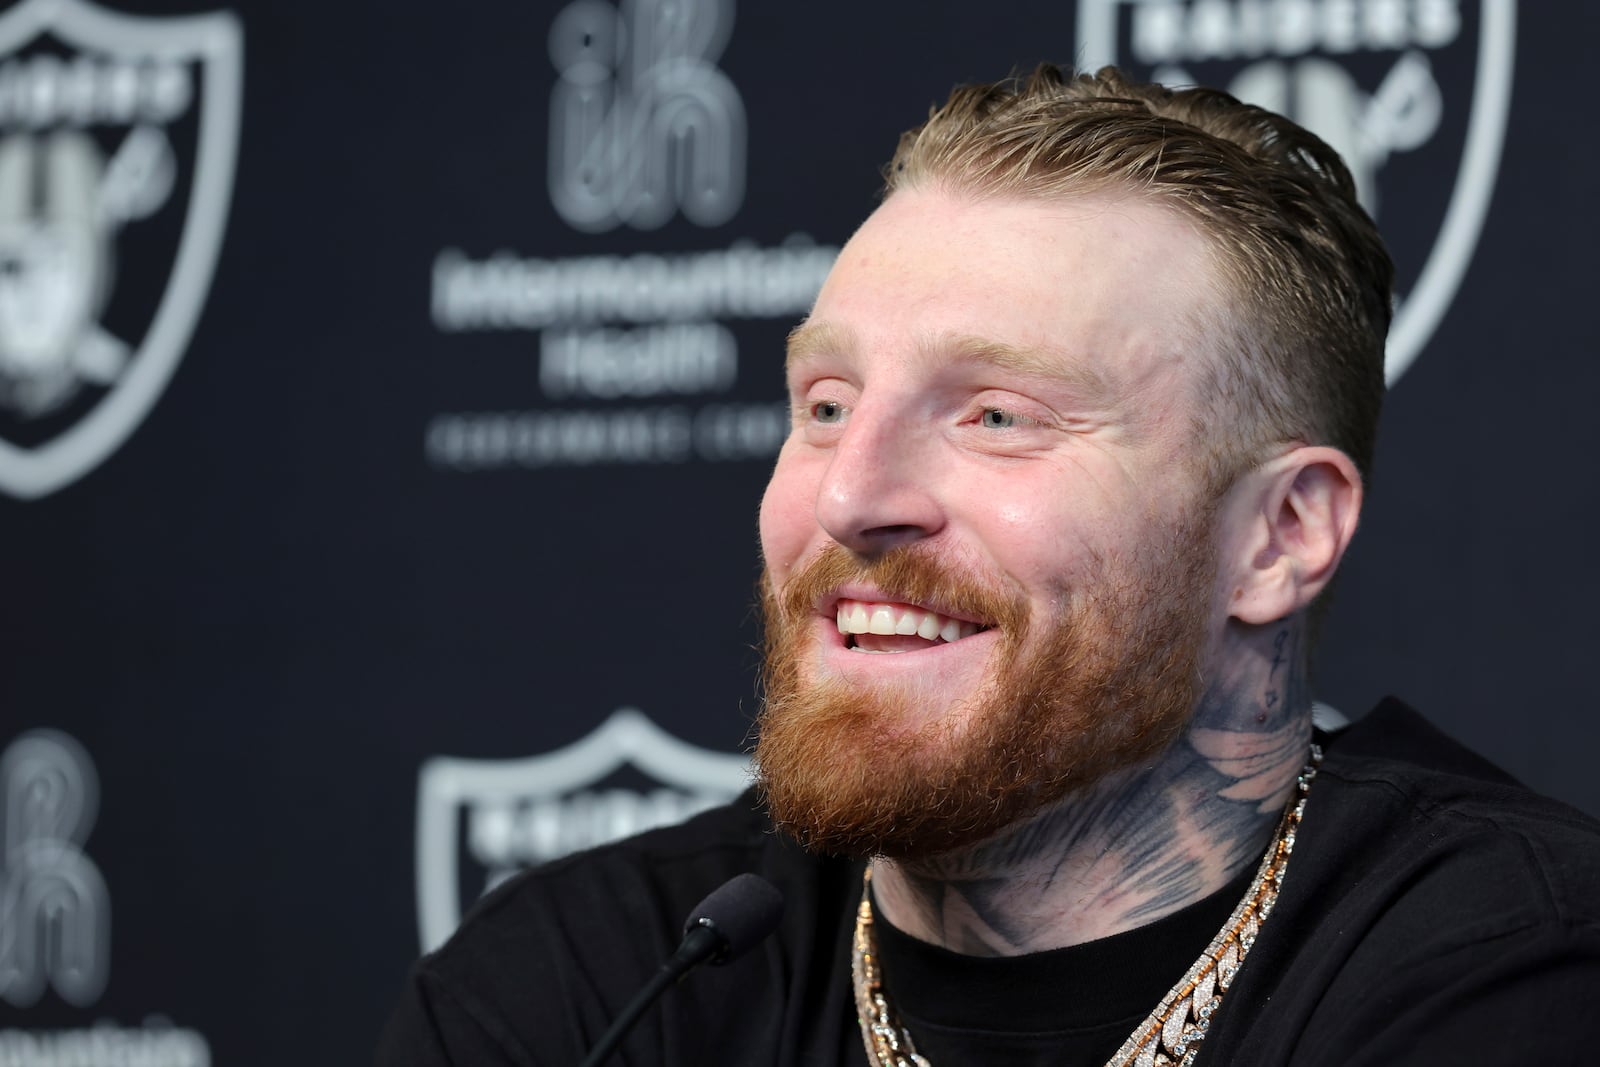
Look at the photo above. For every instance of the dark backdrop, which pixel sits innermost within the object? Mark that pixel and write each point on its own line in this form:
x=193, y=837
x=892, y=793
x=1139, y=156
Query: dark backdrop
x=430, y=470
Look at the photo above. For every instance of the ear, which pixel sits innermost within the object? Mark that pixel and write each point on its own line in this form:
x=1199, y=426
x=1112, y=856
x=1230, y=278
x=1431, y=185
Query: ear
x=1291, y=521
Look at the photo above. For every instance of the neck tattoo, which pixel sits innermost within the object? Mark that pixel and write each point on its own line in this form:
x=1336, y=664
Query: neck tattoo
x=1169, y=1035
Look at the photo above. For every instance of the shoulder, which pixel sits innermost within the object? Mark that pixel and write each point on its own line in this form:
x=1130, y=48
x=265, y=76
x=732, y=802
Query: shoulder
x=541, y=965
x=622, y=903
x=1428, y=890
x=1426, y=813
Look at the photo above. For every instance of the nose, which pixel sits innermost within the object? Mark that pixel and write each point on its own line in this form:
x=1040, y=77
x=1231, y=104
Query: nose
x=879, y=490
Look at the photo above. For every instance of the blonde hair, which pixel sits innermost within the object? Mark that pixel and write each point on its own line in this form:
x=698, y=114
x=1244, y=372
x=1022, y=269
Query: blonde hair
x=1300, y=346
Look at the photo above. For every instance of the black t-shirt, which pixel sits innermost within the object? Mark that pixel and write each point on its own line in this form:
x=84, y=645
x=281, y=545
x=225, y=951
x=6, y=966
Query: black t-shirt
x=1435, y=912
x=1066, y=1006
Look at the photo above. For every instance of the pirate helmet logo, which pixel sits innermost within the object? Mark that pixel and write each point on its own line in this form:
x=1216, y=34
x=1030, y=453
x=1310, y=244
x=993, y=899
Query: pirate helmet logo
x=1404, y=90
x=118, y=137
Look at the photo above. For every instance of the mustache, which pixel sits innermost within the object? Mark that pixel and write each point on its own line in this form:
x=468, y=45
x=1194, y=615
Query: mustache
x=909, y=574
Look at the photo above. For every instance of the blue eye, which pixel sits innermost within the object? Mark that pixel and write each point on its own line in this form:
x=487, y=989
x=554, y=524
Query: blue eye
x=827, y=411
x=999, y=419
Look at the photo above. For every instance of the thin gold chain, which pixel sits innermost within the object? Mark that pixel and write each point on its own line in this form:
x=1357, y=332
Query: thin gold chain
x=1169, y=1036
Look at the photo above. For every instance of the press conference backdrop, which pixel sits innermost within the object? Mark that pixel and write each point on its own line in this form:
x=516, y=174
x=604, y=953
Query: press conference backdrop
x=386, y=392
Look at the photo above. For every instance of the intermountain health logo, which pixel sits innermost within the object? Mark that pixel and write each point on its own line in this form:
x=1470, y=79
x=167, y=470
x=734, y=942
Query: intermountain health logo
x=642, y=123
x=1414, y=94
x=118, y=136
x=479, y=821
x=55, y=917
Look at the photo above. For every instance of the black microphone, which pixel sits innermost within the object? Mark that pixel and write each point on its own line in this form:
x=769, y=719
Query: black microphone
x=724, y=926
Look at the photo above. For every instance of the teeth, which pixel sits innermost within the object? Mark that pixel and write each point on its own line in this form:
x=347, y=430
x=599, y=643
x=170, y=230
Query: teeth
x=856, y=617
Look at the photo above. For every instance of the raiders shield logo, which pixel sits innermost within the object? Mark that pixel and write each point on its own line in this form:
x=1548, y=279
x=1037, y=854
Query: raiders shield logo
x=1413, y=94
x=626, y=777
x=118, y=136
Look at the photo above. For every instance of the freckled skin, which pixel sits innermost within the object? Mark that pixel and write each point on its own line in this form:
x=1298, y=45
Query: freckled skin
x=899, y=458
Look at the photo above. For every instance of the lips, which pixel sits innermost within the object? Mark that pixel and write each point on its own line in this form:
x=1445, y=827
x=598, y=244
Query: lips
x=878, y=626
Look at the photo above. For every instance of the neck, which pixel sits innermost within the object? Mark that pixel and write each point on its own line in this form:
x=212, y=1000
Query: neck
x=1139, y=845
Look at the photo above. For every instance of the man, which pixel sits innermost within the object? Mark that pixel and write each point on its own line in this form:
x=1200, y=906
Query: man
x=1081, y=422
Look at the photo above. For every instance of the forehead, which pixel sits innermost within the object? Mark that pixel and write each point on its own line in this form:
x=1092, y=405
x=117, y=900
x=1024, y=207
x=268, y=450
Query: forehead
x=1105, y=287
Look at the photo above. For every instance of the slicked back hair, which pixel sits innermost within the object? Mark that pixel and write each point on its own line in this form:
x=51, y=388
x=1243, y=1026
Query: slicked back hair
x=1297, y=350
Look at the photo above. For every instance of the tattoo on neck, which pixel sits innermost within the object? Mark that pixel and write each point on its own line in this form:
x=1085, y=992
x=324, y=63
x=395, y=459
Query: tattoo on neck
x=1140, y=845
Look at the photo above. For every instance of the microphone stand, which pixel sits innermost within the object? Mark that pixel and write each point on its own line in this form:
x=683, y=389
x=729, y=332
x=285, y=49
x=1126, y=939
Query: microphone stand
x=700, y=943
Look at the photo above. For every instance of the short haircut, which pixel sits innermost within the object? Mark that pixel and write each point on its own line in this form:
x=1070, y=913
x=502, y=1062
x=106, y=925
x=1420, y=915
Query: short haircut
x=1299, y=348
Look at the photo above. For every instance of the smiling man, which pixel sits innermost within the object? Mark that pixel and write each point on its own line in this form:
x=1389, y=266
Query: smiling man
x=1082, y=418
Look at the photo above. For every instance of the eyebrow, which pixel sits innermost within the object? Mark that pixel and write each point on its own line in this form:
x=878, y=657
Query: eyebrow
x=810, y=340
x=1018, y=359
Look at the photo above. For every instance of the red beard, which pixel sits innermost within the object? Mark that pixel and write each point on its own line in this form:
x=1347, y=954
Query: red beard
x=1103, y=686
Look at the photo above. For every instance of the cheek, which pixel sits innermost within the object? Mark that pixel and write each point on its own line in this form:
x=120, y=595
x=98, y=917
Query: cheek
x=1032, y=522
x=788, y=515
x=1047, y=536
x=1017, y=517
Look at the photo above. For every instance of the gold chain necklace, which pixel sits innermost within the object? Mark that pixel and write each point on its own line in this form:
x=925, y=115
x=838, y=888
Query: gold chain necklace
x=1171, y=1034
